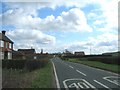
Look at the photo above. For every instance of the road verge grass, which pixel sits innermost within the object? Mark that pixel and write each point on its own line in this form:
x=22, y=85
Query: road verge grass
x=22, y=78
x=44, y=77
x=97, y=64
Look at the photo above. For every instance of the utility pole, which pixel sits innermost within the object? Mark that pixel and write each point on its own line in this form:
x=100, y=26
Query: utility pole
x=90, y=49
x=41, y=51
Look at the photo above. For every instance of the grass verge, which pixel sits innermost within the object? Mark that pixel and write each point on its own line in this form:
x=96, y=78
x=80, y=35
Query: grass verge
x=97, y=64
x=20, y=78
x=16, y=78
x=44, y=77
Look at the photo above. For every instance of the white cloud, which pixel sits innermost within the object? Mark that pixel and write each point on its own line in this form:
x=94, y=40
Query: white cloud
x=25, y=17
x=107, y=15
x=73, y=20
x=78, y=22
x=27, y=38
x=106, y=42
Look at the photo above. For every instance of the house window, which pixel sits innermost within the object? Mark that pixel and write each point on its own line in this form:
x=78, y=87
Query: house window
x=1, y=43
x=1, y=55
x=10, y=45
x=6, y=45
x=9, y=55
x=35, y=57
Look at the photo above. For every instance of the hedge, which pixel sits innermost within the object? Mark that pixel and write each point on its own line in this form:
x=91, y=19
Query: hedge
x=24, y=64
x=100, y=58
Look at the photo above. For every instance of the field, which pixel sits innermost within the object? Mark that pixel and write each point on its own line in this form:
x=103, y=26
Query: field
x=96, y=63
x=40, y=77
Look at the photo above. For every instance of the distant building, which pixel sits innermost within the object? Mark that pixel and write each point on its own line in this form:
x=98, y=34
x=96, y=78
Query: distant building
x=79, y=53
x=28, y=53
x=6, y=46
x=18, y=55
x=67, y=53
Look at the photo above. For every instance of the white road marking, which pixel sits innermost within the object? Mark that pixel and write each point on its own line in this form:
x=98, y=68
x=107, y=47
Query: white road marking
x=102, y=84
x=73, y=85
x=70, y=66
x=97, y=69
x=81, y=85
x=90, y=85
x=78, y=84
x=81, y=72
x=56, y=78
x=112, y=81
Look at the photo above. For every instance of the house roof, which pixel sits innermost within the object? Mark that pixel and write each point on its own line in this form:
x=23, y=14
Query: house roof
x=79, y=52
x=27, y=51
x=17, y=53
x=5, y=38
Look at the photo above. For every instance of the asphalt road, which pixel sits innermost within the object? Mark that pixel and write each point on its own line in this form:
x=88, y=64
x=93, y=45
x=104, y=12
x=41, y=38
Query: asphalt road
x=78, y=76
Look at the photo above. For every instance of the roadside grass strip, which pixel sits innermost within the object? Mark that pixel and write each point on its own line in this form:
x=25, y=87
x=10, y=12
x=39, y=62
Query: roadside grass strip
x=44, y=77
x=97, y=64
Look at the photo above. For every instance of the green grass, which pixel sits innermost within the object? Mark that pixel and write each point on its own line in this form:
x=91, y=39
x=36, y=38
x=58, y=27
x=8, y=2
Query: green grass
x=109, y=67
x=44, y=77
x=16, y=78
x=39, y=78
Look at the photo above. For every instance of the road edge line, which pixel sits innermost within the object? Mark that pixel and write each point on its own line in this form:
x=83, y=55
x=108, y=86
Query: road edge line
x=56, y=78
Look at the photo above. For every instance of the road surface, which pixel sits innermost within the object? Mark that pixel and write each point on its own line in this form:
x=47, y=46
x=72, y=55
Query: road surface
x=72, y=75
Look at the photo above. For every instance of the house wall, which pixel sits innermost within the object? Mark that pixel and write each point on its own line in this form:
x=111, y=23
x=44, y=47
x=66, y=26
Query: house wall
x=9, y=55
x=1, y=55
x=6, y=48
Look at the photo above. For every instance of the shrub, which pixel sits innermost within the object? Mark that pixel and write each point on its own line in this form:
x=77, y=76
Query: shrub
x=108, y=60
x=15, y=64
x=35, y=64
x=24, y=64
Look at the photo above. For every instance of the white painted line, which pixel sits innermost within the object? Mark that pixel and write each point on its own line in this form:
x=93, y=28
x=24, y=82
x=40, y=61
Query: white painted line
x=81, y=85
x=78, y=83
x=97, y=69
x=102, y=84
x=70, y=66
x=112, y=81
x=56, y=78
x=81, y=72
x=90, y=85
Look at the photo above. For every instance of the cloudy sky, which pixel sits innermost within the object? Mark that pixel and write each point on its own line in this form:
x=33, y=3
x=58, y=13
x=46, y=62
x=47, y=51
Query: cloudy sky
x=75, y=25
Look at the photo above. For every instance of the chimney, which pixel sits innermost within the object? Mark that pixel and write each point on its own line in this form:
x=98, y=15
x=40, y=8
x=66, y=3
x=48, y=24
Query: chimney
x=3, y=32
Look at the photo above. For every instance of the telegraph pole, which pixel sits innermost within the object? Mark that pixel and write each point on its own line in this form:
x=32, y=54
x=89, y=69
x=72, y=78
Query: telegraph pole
x=90, y=49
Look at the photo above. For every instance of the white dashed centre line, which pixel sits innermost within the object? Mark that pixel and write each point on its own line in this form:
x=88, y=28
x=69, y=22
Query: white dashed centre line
x=81, y=72
x=70, y=66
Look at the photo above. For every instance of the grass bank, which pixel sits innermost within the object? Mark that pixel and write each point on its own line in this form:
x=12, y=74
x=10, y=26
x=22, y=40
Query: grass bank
x=97, y=64
x=44, y=77
x=20, y=78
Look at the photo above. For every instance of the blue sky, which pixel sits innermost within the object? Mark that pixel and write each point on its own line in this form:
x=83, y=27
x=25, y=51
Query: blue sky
x=57, y=26
x=44, y=12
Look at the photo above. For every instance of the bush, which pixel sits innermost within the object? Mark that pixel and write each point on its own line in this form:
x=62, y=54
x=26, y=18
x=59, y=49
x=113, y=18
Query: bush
x=15, y=64
x=24, y=64
x=108, y=60
x=101, y=58
x=35, y=64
